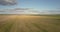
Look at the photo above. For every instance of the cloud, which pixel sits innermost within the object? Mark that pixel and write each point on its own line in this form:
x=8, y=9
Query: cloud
x=8, y=2
x=55, y=11
x=18, y=11
x=28, y=11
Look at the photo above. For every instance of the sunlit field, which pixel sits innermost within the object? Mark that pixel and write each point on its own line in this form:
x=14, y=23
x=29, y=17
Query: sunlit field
x=28, y=23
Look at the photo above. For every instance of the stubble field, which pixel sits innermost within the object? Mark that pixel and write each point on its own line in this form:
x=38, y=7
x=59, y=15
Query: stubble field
x=26, y=23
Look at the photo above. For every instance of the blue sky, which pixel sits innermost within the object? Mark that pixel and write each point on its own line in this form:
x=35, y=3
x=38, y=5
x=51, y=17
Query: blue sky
x=40, y=4
x=36, y=4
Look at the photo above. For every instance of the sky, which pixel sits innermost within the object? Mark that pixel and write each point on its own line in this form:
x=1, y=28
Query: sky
x=42, y=6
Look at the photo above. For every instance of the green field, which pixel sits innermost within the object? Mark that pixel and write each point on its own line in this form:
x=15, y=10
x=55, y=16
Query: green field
x=27, y=23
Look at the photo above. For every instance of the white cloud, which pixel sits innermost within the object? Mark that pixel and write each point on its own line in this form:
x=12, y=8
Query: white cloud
x=28, y=11
x=18, y=11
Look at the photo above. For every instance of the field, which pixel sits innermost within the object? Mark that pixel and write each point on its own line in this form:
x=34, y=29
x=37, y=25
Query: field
x=27, y=23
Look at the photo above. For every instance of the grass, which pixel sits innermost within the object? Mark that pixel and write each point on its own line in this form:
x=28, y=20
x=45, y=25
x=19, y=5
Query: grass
x=6, y=27
x=17, y=23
